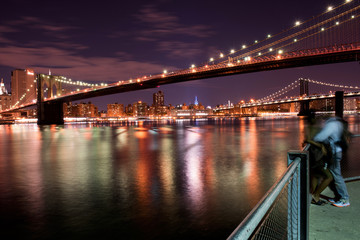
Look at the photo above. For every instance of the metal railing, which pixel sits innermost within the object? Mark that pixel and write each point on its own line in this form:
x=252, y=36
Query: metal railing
x=283, y=212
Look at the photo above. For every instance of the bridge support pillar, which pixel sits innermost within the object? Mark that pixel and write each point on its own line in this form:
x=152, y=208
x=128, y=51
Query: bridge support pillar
x=304, y=108
x=50, y=113
x=339, y=104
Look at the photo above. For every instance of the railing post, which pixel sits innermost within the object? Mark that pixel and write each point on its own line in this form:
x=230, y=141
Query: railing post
x=303, y=194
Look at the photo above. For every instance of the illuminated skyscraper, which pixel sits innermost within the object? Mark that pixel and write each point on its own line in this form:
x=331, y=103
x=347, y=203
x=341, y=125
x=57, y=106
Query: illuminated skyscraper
x=159, y=103
x=158, y=99
x=115, y=110
x=23, y=86
x=140, y=109
x=5, y=98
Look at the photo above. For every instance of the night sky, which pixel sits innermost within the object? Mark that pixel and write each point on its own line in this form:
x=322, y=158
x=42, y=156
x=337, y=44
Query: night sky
x=108, y=41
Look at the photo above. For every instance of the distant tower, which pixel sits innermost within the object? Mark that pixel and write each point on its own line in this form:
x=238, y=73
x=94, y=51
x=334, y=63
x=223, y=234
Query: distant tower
x=196, y=101
x=304, y=87
x=2, y=88
x=5, y=98
x=158, y=99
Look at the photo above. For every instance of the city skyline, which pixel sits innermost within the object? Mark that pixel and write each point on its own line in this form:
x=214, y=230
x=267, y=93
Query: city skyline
x=135, y=39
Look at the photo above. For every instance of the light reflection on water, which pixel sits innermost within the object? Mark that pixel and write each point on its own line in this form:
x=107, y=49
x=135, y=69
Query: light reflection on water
x=141, y=180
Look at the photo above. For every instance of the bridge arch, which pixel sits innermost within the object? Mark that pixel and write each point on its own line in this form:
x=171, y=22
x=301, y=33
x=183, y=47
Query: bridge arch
x=51, y=85
x=49, y=112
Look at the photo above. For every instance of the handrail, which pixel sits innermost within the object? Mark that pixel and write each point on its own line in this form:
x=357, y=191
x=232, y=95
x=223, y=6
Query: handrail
x=252, y=220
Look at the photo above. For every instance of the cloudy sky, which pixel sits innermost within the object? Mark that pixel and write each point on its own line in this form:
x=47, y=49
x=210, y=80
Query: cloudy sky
x=108, y=41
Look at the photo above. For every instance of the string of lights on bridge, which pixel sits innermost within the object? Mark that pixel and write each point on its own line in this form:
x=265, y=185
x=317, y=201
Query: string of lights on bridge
x=278, y=49
x=246, y=56
x=79, y=83
x=296, y=83
x=23, y=97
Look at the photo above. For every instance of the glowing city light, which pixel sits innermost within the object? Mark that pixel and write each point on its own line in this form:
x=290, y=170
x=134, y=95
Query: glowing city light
x=297, y=23
x=330, y=8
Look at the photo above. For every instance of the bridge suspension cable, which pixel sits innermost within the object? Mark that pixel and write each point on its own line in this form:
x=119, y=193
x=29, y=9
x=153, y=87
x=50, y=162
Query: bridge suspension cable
x=78, y=83
x=281, y=92
x=331, y=84
x=296, y=35
x=296, y=83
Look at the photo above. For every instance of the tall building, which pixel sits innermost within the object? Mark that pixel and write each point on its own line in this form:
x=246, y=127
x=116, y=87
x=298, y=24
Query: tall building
x=2, y=88
x=158, y=99
x=129, y=110
x=5, y=98
x=115, y=110
x=140, y=109
x=23, y=86
x=159, y=103
x=81, y=110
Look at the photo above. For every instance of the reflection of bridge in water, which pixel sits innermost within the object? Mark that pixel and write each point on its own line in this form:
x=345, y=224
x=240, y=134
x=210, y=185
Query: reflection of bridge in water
x=330, y=37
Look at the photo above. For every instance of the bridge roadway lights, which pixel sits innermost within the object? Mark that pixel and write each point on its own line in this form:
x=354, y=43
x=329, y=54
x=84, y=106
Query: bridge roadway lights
x=50, y=113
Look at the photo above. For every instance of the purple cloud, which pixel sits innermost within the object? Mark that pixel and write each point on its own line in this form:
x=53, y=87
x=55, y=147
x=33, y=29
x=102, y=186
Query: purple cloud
x=161, y=27
x=67, y=63
x=164, y=23
x=182, y=49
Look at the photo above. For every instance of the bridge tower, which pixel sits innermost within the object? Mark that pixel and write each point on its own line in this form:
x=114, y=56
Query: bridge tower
x=339, y=104
x=49, y=112
x=304, y=87
x=304, y=91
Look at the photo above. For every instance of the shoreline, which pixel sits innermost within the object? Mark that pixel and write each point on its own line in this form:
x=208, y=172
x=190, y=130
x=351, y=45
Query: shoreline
x=107, y=120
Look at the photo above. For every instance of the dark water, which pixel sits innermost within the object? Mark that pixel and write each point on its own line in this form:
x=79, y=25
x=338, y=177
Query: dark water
x=142, y=180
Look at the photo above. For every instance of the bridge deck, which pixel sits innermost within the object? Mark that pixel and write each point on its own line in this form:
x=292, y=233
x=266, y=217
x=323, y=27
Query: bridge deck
x=333, y=223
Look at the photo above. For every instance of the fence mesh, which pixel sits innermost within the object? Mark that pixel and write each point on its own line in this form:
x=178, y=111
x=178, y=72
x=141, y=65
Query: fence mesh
x=281, y=220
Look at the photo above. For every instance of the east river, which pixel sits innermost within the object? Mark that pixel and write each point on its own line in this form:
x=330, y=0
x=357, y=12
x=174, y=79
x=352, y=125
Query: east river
x=143, y=180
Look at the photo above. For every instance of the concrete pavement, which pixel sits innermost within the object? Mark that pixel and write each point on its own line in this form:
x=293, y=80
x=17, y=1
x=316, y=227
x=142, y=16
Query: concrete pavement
x=333, y=223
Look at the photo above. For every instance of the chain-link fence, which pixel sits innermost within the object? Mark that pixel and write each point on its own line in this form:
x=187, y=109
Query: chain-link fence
x=283, y=211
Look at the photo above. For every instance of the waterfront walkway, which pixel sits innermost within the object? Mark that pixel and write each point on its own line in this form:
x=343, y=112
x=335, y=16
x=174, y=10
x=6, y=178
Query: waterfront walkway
x=333, y=223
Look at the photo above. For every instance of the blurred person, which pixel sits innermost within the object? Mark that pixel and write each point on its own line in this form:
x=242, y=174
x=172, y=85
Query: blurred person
x=332, y=134
x=320, y=175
